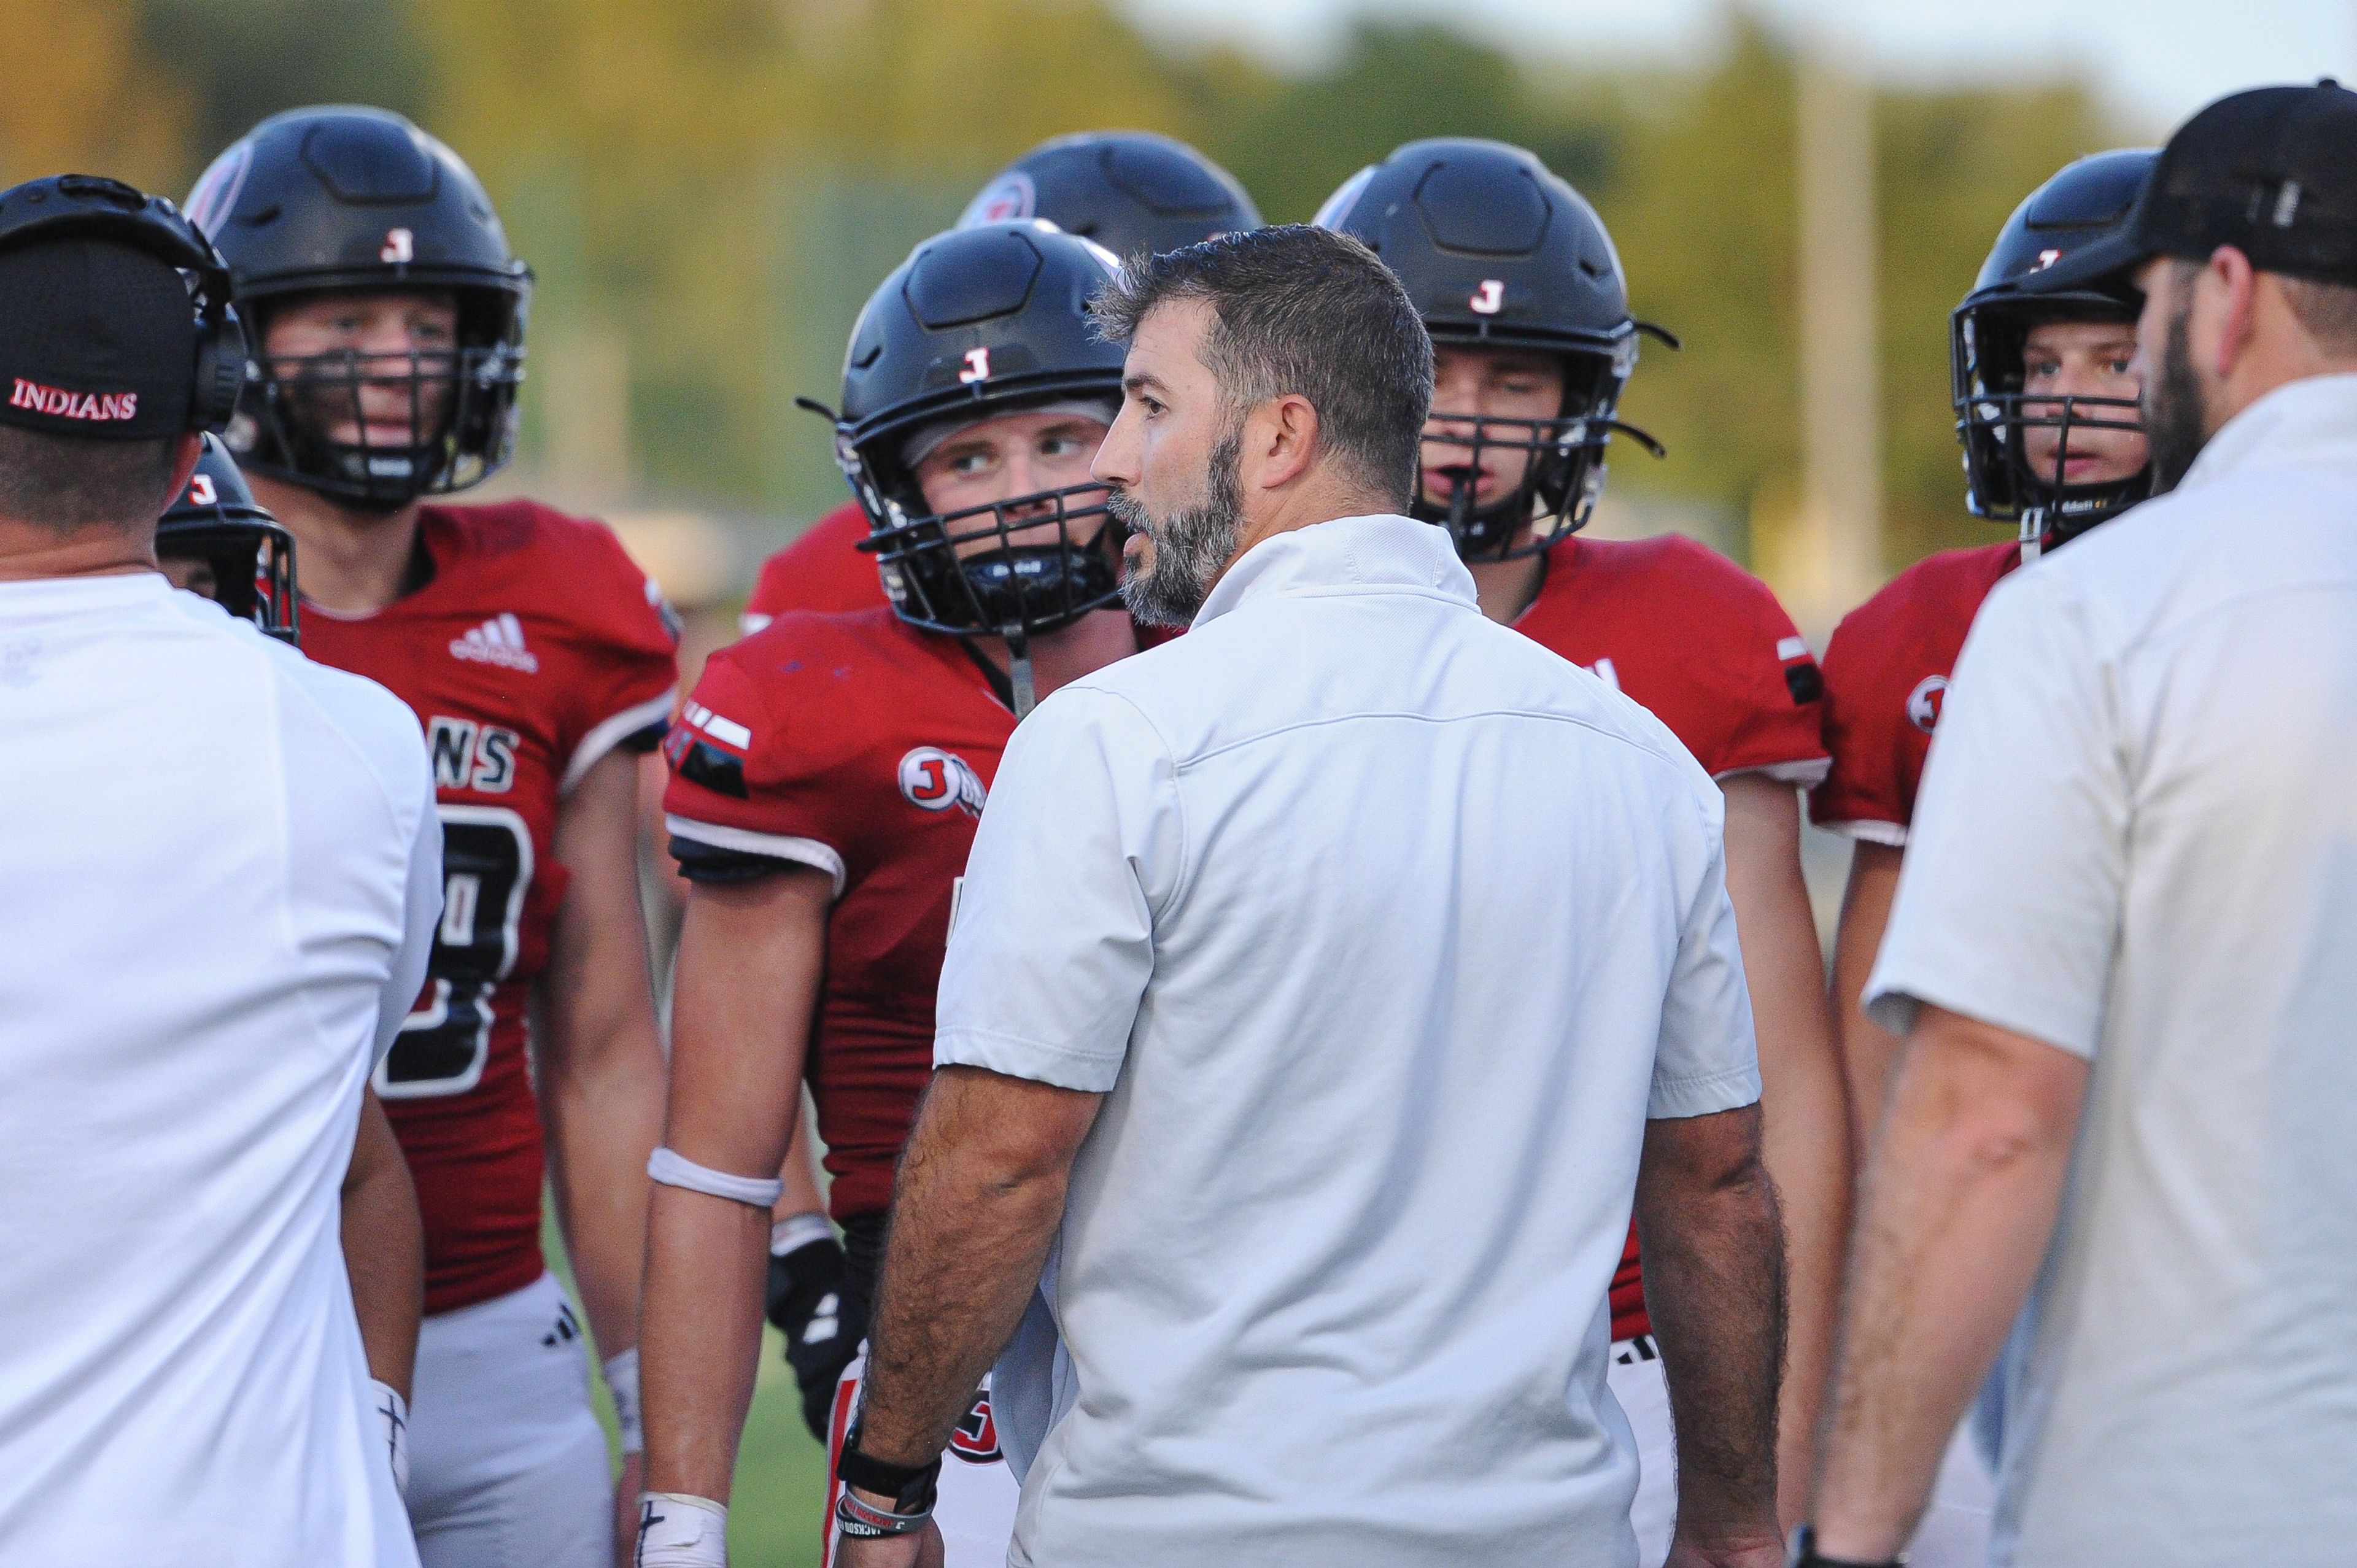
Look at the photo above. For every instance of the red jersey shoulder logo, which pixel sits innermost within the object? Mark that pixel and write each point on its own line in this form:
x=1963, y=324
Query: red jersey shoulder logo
x=934, y=781
x=1924, y=704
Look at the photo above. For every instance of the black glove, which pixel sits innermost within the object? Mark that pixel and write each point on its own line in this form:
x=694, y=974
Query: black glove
x=806, y=1302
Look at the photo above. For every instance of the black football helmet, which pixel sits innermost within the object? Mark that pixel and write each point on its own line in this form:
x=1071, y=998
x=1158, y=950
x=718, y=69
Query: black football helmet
x=1134, y=192
x=1496, y=251
x=338, y=199
x=979, y=322
x=216, y=520
x=2089, y=200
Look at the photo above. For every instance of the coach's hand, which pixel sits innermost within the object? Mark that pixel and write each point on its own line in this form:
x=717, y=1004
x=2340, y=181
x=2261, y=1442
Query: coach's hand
x=1761, y=1547
x=805, y=1302
x=924, y=1549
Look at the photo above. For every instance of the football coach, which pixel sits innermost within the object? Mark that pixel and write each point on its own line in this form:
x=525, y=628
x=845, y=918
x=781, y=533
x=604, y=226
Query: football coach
x=220, y=870
x=1324, y=984
x=2123, y=1139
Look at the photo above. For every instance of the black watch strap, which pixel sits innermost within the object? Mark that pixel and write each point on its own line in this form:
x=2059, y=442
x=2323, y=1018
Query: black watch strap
x=1805, y=1554
x=910, y=1486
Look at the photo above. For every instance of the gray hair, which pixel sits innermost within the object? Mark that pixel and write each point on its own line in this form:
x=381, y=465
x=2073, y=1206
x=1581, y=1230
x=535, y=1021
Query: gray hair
x=1307, y=311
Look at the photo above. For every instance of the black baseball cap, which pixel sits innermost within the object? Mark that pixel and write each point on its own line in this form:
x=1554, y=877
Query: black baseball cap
x=96, y=339
x=2272, y=172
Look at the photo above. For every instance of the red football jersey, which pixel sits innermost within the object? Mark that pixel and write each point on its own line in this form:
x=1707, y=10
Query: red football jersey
x=1887, y=674
x=1704, y=645
x=824, y=570
x=536, y=649
x=859, y=745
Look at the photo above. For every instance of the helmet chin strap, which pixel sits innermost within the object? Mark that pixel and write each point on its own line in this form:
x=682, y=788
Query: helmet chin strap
x=1018, y=675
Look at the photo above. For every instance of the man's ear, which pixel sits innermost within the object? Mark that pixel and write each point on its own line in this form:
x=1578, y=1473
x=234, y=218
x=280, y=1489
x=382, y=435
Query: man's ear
x=1286, y=432
x=186, y=452
x=2231, y=286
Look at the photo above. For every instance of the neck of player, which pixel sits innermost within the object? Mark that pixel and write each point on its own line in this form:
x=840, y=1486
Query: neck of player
x=1507, y=587
x=1060, y=658
x=353, y=562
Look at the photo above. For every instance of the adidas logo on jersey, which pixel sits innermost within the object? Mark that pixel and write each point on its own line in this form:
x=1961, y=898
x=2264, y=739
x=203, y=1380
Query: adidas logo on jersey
x=499, y=641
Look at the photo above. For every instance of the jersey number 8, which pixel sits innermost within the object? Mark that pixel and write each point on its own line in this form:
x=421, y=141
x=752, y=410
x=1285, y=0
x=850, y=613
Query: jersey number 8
x=487, y=868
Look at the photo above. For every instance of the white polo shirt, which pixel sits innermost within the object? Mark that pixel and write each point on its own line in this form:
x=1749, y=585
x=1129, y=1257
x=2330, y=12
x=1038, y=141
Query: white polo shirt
x=2137, y=842
x=220, y=871
x=1383, y=929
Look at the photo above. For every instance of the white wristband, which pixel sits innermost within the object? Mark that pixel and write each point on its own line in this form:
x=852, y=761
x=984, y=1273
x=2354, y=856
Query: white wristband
x=674, y=1169
x=622, y=1382
x=392, y=1430
x=676, y=1530
x=796, y=1232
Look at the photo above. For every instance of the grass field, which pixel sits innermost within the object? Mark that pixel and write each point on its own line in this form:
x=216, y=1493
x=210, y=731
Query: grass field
x=773, y=1516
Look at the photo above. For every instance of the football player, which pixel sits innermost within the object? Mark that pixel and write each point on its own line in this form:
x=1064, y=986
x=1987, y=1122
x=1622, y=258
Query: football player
x=2045, y=391
x=214, y=539
x=2045, y=396
x=1520, y=286
x=387, y=318
x=826, y=780
x=1129, y=191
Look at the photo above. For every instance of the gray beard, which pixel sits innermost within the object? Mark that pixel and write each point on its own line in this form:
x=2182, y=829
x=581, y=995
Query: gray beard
x=2174, y=411
x=1190, y=546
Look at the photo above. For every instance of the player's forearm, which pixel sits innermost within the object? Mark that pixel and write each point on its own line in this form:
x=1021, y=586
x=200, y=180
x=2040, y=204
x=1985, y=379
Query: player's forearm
x=1804, y=1143
x=1870, y=1052
x=384, y=1250
x=971, y=1223
x=604, y=1112
x=700, y=1339
x=1955, y=1215
x=1715, y=1292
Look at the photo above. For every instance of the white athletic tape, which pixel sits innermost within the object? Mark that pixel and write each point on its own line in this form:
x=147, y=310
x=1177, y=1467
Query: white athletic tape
x=392, y=1417
x=676, y=1530
x=622, y=1382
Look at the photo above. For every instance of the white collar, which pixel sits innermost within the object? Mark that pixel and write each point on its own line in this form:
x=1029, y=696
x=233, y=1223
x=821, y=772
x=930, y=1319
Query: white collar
x=1378, y=553
x=2295, y=422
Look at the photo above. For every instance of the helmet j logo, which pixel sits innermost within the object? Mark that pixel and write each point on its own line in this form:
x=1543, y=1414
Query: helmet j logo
x=977, y=366
x=2046, y=259
x=400, y=245
x=1489, y=297
x=200, y=490
x=934, y=781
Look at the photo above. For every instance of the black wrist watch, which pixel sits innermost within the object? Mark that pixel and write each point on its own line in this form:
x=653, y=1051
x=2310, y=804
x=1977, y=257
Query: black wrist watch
x=1805, y=1554
x=910, y=1486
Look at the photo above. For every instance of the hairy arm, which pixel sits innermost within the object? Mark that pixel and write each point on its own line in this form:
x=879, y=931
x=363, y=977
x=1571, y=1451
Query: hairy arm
x=1707, y=1225
x=1958, y=1205
x=751, y=958
x=980, y=1194
x=1870, y=1051
x=384, y=1248
x=1804, y=1138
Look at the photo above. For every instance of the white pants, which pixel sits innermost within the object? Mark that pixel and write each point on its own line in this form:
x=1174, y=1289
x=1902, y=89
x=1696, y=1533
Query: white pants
x=507, y=1463
x=978, y=1494
x=1956, y=1528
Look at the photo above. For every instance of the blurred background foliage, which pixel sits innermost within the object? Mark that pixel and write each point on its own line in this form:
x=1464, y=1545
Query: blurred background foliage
x=709, y=189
